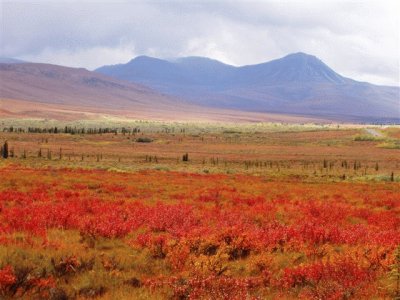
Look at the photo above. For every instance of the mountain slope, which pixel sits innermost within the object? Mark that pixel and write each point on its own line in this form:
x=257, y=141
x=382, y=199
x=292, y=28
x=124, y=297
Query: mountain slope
x=296, y=83
x=181, y=71
x=31, y=90
x=293, y=68
x=62, y=85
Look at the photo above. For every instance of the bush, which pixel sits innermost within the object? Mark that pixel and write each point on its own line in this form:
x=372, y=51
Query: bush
x=144, y=140
x=366, y=138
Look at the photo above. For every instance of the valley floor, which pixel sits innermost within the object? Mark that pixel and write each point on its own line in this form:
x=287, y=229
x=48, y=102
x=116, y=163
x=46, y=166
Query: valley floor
x=256, y=211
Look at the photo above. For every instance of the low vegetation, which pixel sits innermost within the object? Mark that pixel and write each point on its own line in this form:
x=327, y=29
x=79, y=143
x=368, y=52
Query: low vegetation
x=203, y=212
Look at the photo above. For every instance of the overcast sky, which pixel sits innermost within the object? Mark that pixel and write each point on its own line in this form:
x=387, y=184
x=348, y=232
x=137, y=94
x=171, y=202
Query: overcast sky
x=358, y=39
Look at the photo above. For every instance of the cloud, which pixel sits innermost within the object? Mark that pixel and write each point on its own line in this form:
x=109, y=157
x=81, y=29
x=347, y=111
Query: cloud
x=359, y=39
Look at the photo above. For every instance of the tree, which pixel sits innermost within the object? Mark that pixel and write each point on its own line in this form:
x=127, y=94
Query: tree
x=185, y=157
x=5, y=150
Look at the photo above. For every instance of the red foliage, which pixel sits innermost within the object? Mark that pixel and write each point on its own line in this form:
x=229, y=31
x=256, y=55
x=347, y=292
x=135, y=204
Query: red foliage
x=184, y=218
x=328, y=280
x=210, y=287
x=7, y=278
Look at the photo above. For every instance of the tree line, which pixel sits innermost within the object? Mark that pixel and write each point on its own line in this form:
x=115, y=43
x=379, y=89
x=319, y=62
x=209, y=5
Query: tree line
x=72, y=130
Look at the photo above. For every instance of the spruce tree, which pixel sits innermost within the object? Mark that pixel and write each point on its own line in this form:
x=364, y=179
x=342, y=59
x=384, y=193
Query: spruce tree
x=185, y=157
x=5, y=150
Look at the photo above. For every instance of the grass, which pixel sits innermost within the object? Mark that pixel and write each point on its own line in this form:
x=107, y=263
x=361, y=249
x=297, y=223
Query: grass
x=263, y=149
x=367, y=138
x=173, y=127
x=393, y=144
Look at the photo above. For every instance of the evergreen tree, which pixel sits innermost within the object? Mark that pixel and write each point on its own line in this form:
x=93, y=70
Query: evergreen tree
x=5, y=150
x=185, y=157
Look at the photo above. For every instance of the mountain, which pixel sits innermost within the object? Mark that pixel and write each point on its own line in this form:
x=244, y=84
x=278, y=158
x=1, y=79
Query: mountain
x=37, y=89
x=180, y=71
x=63, y=85
x=34, y=90
x=297, y=83
x=293, y=68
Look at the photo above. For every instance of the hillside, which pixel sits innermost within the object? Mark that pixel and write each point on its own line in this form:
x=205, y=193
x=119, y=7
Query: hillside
x=62, y=85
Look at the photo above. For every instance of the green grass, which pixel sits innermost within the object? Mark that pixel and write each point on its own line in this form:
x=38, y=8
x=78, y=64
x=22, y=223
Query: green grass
x=393, y=144
x=367, y=138
x=172, y=127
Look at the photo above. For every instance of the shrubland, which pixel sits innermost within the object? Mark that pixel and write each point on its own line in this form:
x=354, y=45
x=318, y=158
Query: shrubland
x=253, y=213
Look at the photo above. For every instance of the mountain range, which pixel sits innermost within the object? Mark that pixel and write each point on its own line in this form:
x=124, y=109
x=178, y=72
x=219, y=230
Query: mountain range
x=35, y=90
x=297, y=83
x=297, y=87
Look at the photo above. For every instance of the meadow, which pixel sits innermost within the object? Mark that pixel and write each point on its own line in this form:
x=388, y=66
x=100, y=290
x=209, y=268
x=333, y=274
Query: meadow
x=158, y=210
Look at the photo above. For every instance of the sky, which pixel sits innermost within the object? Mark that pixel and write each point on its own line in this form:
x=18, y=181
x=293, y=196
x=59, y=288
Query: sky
x=358, y=39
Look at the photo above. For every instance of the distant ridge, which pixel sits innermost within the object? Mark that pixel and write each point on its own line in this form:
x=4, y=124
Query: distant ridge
x=297, y=83
x=54, y=84
x=34, y=90
x=8, y=60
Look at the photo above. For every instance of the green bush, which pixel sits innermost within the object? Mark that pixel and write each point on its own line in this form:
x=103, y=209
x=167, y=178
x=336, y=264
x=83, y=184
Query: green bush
x=366, y=138
x=144, y=140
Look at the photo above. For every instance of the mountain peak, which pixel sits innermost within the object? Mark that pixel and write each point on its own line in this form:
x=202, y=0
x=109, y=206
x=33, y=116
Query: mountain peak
x=301, y=55
x=144, y=59
x=302, y=58
x=303, y=67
